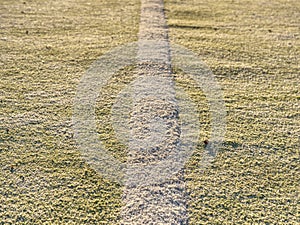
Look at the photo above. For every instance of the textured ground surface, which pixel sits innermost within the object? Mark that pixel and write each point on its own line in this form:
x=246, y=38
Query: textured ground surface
x=251, y=46
x=45, y=48
x=253, y=49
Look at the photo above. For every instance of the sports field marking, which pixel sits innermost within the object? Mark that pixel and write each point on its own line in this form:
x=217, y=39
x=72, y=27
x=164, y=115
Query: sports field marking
x=149, y=200
x=161, y=124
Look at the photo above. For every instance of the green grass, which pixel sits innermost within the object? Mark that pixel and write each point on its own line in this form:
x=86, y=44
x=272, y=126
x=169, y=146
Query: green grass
x=46, y=46
x=253, y=49
x=251, y=46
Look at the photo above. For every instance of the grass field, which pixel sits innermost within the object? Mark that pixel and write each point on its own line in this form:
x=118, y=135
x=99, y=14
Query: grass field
x=253, y=49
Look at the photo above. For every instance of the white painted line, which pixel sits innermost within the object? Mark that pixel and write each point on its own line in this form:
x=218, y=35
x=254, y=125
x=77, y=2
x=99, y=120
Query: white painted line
x=155, y=129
